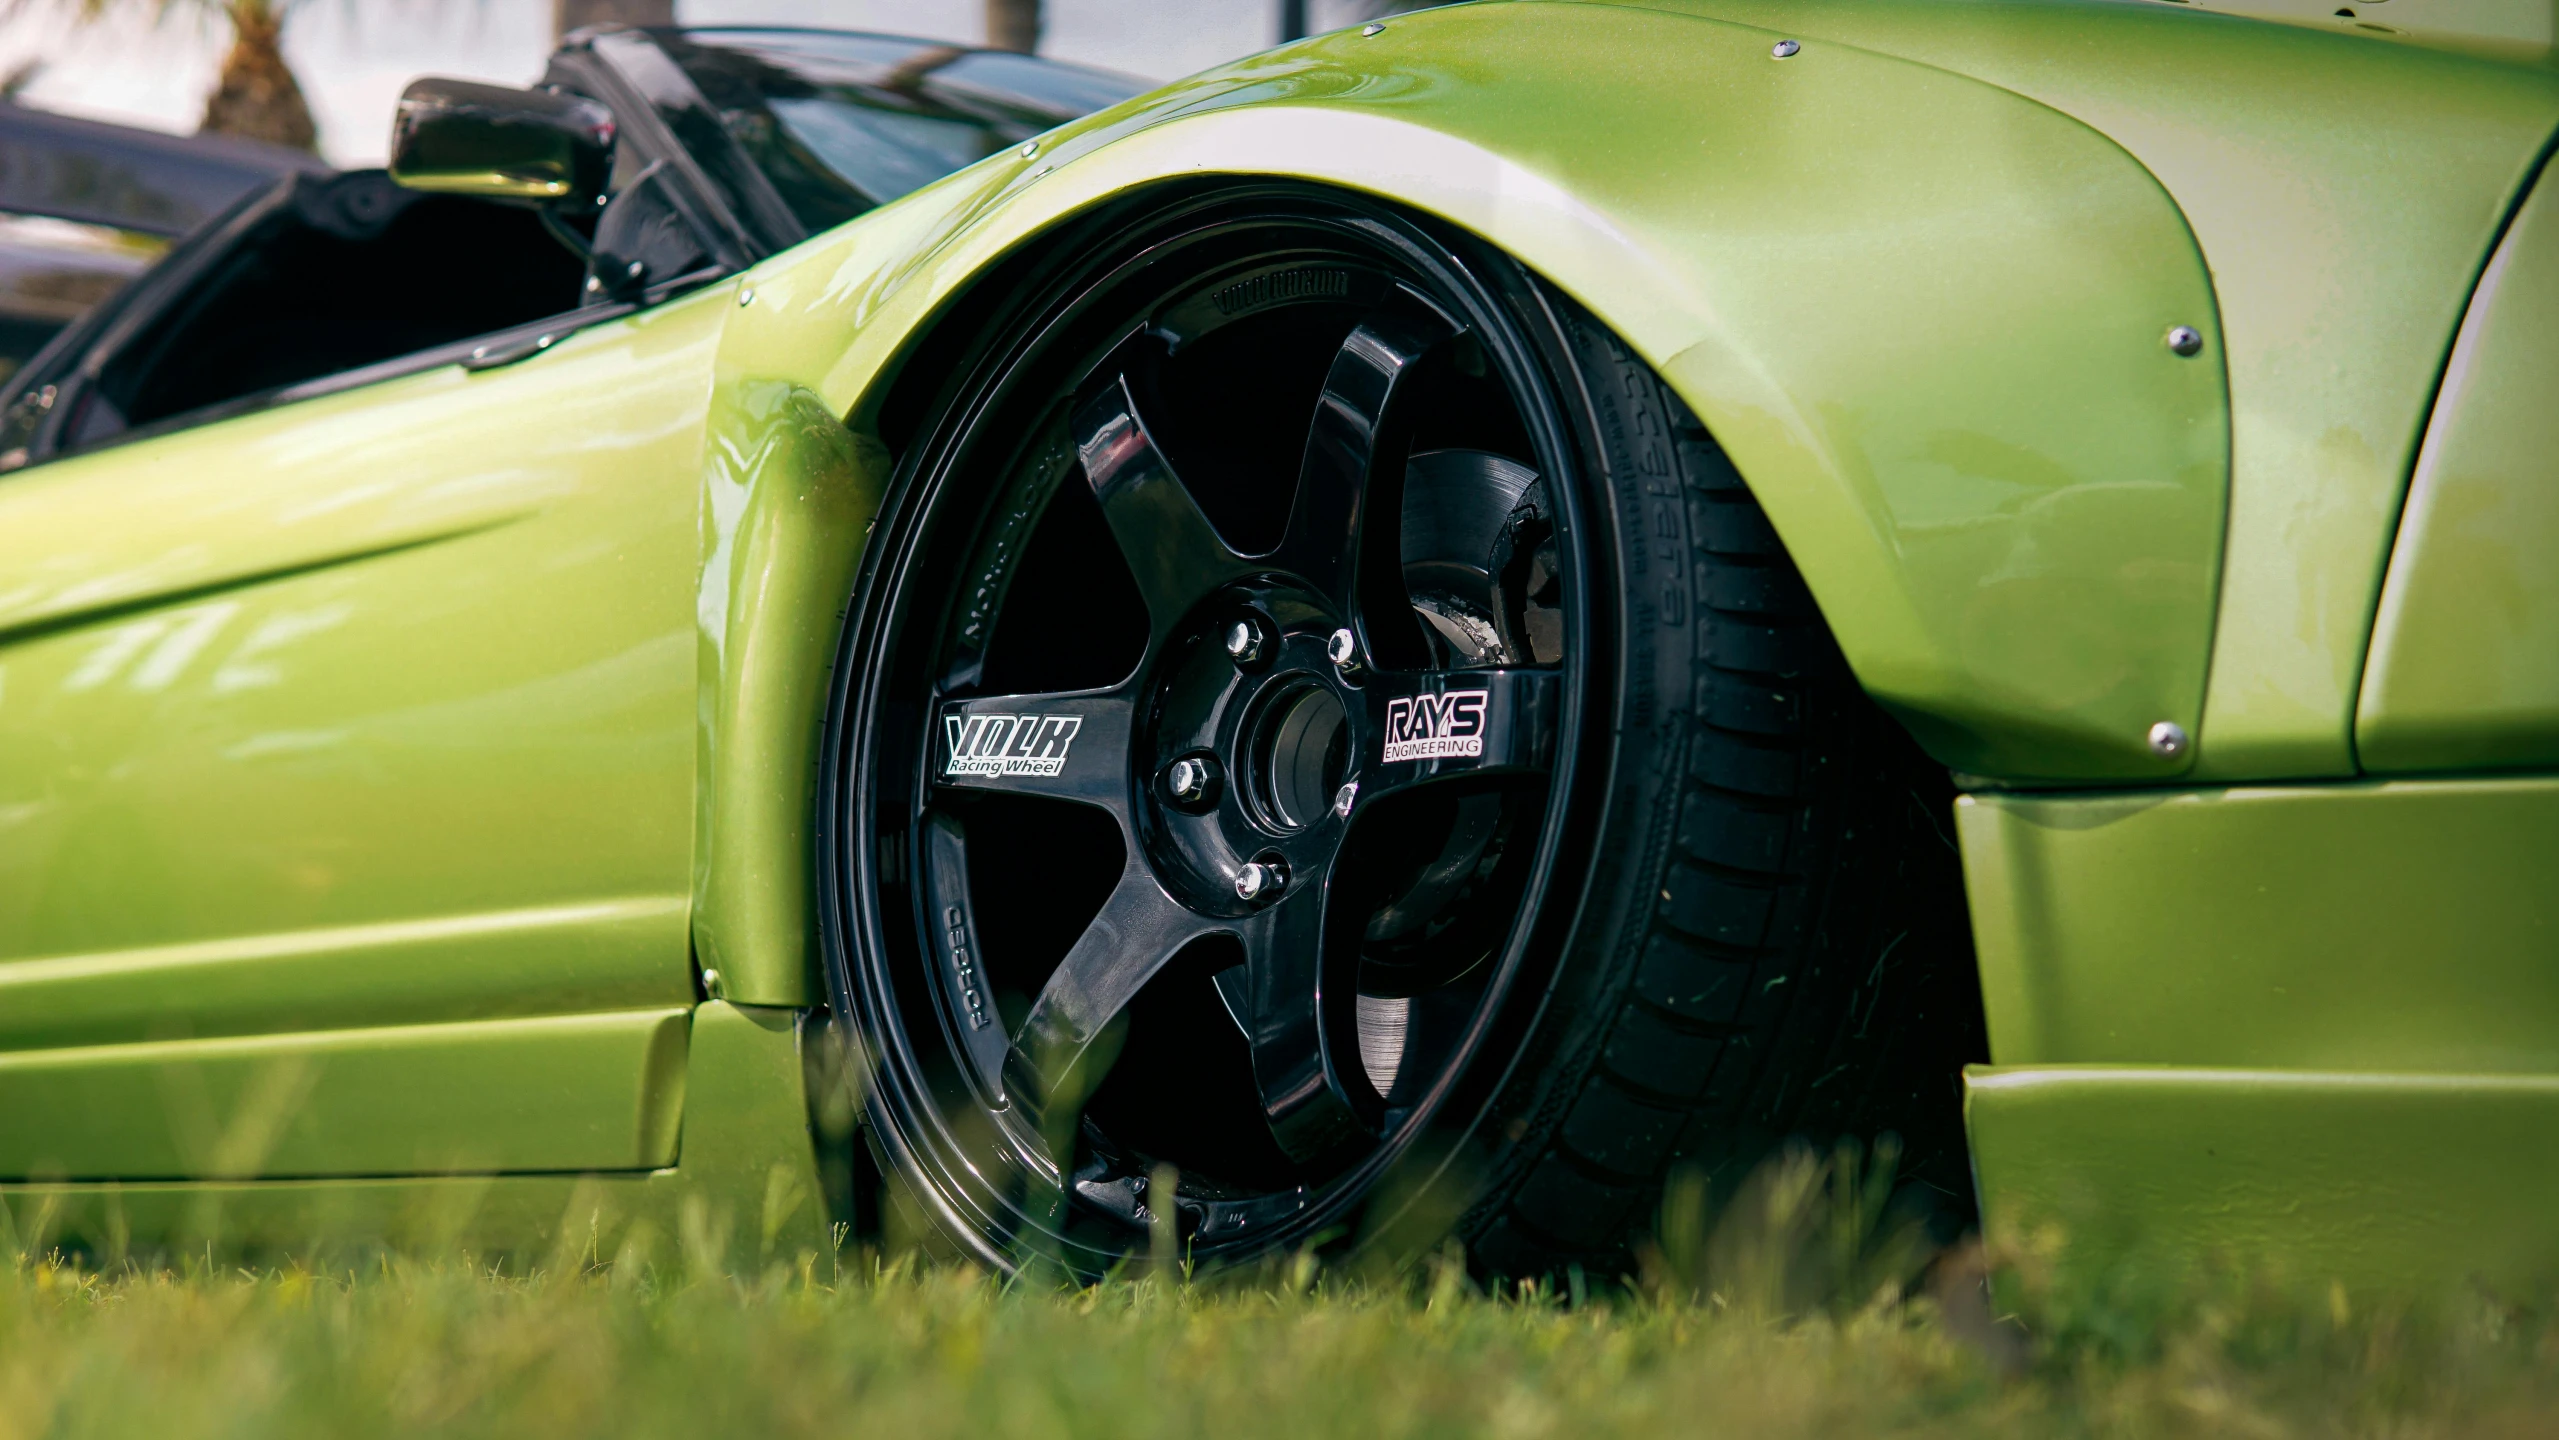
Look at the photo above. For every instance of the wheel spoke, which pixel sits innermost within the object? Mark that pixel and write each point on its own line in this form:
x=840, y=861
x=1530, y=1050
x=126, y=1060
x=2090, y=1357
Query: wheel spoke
x=1352, y=474
x=1173, y=551
x=1139, y=930
x=1311, y=1087
x=1417, y=727
x=1066, y=747
x=952, y=928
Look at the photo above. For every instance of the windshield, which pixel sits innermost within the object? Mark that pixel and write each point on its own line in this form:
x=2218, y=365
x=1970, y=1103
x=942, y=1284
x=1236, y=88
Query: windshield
x=840, y=123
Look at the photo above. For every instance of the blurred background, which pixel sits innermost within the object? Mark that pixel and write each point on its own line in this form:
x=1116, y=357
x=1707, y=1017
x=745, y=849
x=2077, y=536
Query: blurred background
x=157, y=63
x=123, y=123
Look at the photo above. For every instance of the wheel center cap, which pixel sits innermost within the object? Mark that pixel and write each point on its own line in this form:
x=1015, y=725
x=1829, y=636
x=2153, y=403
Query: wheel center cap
x=1251, y=741
x=1296, y=754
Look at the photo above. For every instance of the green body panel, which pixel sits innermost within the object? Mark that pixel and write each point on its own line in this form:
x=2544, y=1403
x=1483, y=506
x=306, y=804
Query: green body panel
x=2372, y=926
x=2345, y=190
x=371, y=711
x=744, y=1186
x=2316, y=1026
x=788, y=496
x=751, y=1101
x=2382, y=1181
x=558, y=961
x=579, y=1092
x=419, y=649
x=2004, y=489
x=2465, y=655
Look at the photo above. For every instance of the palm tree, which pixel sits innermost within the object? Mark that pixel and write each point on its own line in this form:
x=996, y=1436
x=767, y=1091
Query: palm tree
x=1013, y=25
x=256, y=95
x=568, y=15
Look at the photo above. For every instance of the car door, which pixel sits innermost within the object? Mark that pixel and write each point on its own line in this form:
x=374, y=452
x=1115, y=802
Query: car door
x=346, y=727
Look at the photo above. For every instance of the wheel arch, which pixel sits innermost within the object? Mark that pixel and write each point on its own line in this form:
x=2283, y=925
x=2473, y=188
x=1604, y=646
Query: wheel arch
x=788, y=496
x=1925, y=317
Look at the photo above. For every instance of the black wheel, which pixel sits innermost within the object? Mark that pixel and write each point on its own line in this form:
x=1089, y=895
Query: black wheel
x=1320, y=717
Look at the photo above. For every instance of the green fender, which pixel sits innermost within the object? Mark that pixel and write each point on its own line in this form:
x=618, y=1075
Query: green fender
x=2346, y=188
x=2464, y=673
x=788, y=495
x=1925, y=316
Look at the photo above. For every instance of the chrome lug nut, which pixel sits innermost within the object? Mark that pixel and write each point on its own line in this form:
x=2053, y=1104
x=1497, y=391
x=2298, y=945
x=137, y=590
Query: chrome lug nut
x=1345, y=798
x=1192, y=780
x=1344, y=650
x=1259, y=881
x=1244, y=641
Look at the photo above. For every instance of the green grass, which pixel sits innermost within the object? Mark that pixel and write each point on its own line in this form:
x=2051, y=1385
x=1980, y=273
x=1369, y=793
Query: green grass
x=1802, y=1310
x=408, y=1346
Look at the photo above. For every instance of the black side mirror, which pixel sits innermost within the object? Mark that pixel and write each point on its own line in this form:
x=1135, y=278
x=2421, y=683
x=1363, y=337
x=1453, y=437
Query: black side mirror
x=459, y=137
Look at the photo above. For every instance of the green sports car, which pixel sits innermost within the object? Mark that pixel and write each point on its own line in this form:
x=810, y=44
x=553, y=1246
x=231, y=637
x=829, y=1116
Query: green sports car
x=1410, y=636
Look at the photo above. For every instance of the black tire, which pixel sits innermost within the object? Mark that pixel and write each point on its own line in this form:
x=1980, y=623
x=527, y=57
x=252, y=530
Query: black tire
x=1785, y=955
x=1692, y=894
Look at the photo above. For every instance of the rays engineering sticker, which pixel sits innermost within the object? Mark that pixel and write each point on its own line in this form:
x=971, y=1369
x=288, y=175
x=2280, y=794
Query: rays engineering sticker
x=1009, y=744
x=1436, y=727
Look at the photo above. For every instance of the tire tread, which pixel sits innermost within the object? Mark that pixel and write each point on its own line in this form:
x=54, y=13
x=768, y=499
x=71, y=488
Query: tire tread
x=1735, y=999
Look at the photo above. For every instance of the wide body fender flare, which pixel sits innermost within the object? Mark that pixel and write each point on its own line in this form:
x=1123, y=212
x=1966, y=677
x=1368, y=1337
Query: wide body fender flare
x=1927, y=318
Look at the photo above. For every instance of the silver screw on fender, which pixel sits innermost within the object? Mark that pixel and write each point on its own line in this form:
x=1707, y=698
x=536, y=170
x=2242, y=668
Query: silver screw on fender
x=2184, y=340
x=1345, y=798
x=1784, y=48
x=1257, y=881
x=1344, y=650
x=1244, y=641
x=2168, y=739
